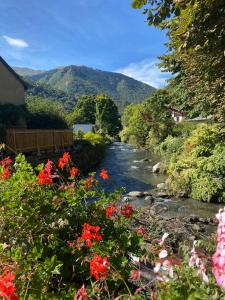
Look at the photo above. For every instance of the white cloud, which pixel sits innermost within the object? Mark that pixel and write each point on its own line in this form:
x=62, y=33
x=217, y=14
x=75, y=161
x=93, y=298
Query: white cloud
x=147, y=72
x=15, y=42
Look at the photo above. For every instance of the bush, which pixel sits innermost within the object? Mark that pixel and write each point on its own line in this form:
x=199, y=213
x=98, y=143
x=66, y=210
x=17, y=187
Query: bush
x=199, y=168
x=12, y=115
x=95, y=138
x=45, y=114
x=58, y=235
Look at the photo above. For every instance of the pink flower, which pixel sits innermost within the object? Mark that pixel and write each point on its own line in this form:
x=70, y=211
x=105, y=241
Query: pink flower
x=135, y=275
x=196, y=261
x=140, y=230
x=219, y=255
x=82, y=294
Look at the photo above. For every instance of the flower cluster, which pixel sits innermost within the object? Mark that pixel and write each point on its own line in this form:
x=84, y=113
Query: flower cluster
x=195, y=260
x=164, y=265
x=44, y=176
x=89, y=182
x=127, y=210
x=74, y=172
x=7, y=288
x=104, y=174
x=5, y=163
x=90, y=233
x=99, y=267
x=219, y=255
x=64, y=160
x=110, y=210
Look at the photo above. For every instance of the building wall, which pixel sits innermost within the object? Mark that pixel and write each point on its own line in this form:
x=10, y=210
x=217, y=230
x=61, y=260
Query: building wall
x=11, y=89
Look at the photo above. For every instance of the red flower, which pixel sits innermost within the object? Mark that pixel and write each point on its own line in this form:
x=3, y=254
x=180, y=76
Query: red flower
x=127, y=210
x=74, y=172
x=82, y=294
x=44, y=178
x=6, y=161
x=99, y=267
x=88, y=182
x=5, y=173
x=7, y=287
x=104, y=174
x=64, y=160
x=110, y=210
x=90, y=234
x=140, y=230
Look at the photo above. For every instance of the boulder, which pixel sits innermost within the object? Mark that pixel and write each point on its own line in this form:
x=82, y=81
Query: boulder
x=156, y=168
x=162, y=186
x=135, y=194
x=162, y=195
x=149, y=199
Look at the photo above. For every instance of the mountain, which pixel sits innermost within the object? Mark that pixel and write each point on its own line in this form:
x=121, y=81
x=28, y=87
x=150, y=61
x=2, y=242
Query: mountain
x=26, y=71
x=80, y=80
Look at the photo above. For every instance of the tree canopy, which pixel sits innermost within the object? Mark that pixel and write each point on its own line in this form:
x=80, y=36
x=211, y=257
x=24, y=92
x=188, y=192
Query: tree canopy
x=195, y=49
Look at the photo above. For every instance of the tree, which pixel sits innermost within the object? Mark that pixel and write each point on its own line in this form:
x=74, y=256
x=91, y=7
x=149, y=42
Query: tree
x=99, y=110
x=106, y=115
x=84, y=112
x=45, y=114
x=195, y=49
x=148, y=123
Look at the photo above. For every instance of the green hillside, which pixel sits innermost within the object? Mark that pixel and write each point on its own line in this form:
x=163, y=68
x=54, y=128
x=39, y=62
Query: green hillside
x=80, y=80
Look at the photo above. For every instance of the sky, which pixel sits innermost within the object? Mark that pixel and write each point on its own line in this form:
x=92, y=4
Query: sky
x=103, y=34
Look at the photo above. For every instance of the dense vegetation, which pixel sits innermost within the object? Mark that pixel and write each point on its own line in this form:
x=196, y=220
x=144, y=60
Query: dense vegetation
x=195, y=29
x=36, y=89
x=44, y=113
x=80, y=80
x=148, y=123
x=64, y=237
x=99, y=110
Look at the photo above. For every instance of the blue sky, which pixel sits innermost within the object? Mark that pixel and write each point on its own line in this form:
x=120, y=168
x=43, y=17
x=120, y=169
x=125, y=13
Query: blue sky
x=103, y=34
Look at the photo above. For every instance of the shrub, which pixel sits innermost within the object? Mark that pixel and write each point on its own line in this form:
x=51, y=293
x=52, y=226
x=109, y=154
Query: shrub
x=95, y=138
x=58, y=235
x=199, y=168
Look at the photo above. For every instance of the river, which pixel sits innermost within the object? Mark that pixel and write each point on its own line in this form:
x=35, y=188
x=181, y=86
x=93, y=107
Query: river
x=131, y=168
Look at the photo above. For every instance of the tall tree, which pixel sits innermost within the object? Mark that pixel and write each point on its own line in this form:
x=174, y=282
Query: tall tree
x=196, y=31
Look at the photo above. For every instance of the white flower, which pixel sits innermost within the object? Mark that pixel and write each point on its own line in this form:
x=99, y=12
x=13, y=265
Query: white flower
x=165, y=235
x=163, y=254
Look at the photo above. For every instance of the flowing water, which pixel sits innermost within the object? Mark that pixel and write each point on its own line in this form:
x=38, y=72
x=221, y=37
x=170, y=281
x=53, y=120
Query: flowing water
x=131, y=168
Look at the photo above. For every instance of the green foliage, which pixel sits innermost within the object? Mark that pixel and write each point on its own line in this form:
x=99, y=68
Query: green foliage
x=148, y=123
x=84, y=112
x=195, y=51
x=198, y=167
x=95, y=138
x=99, y=110
x=106, y=115
x=81, y=80
x=38, y=221
x=43, y=90
x=45, y=114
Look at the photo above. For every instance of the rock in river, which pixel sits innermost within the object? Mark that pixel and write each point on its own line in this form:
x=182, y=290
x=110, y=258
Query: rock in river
x=156, y=168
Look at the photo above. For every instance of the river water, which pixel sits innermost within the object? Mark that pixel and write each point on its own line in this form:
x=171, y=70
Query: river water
x=131, y=168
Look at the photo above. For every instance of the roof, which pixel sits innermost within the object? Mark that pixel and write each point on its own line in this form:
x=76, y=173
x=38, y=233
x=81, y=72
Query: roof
x=14, y=73
x=176, y=110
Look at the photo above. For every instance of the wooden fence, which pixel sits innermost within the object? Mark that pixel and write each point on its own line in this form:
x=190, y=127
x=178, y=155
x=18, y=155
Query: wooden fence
x=28, y=140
